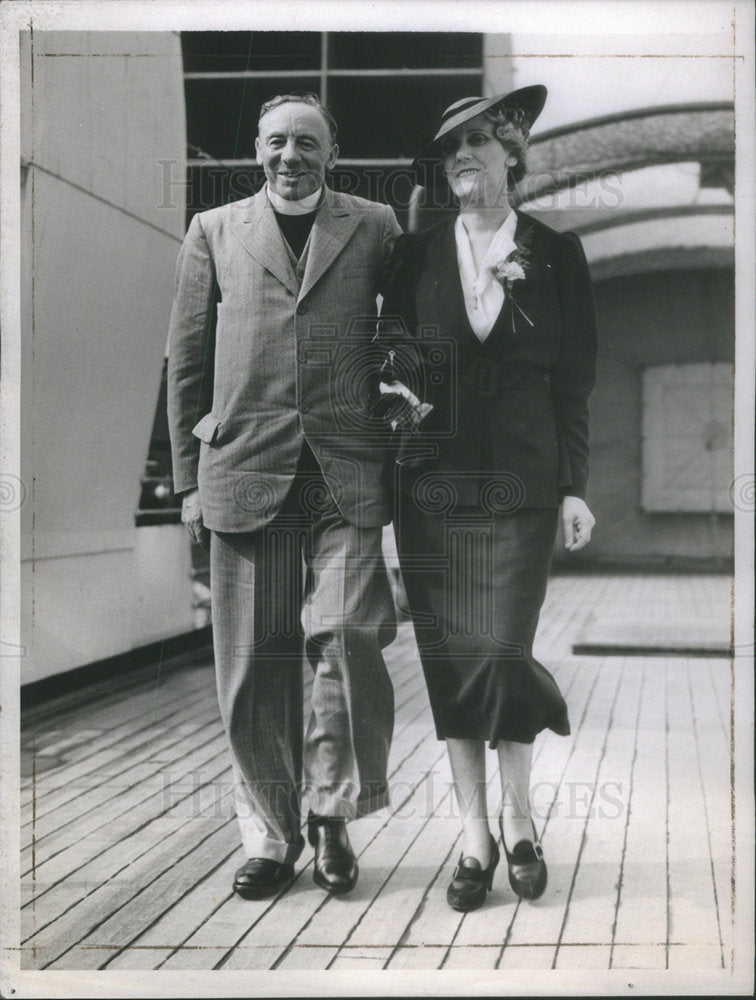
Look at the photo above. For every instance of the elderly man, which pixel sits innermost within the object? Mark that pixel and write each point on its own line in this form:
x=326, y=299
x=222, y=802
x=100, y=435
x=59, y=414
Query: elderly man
x=284, y=476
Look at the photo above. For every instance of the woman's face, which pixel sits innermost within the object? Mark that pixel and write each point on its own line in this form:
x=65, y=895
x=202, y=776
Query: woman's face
x=476, y=164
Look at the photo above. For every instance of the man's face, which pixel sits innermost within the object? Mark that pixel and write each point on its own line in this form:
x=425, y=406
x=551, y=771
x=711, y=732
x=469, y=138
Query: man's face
x=294, y=148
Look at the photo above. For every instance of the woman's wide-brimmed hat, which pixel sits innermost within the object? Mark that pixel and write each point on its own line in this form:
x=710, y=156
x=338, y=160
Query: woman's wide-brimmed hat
x=529, y=99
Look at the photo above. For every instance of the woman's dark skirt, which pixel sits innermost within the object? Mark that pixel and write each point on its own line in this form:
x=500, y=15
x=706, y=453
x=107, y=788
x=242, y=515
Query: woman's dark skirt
x=475, y=584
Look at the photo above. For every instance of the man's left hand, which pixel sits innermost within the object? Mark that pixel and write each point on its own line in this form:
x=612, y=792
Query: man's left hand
x=191, y=516
x=577, y=522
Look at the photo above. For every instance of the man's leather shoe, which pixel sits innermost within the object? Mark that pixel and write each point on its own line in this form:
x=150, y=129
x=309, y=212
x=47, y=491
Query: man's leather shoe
x=259, y=878
x=336, y=867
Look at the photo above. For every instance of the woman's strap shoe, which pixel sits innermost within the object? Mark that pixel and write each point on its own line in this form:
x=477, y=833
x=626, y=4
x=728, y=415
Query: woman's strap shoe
x=527, y=869
x=259, y=878
x=470, y=884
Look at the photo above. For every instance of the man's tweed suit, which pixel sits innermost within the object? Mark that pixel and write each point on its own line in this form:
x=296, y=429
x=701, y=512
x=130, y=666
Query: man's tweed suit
x=268, y=377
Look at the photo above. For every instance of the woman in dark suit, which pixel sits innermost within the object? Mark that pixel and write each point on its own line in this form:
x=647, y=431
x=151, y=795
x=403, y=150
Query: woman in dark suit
x=491, y=324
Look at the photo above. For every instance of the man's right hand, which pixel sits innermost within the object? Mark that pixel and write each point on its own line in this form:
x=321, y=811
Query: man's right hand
x=191, y=516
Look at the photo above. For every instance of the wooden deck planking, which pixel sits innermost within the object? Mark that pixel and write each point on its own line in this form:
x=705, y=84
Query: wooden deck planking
x=551, y=754
x=164, y=890
x=245, y=942
x=720, y=678
x=693, y=908
x=434, y=922
x=153, y=945
x=159, y=797
x=112, y=745
x=416, y=957
x=161, y=897
x=66, y=931
x=407, y=837
x=472, y=957
x=365, y=959
x=122, y=927
x=715, y=771
x=376, y=860
x=42, y=723
x=103, y=702
x=108, y=742
x=592, y=902
x=114, y=778
x=207, y=944
x=542, y=922
x=124, y=738
x=641, y=917
x=582, y=956
x=109, y=881
x=138, y=802
x=302, y=959
x=639, y=956
x=526, y=956
x=404, y=890
x=81, y=804
x=405, y=744
x=694, y=957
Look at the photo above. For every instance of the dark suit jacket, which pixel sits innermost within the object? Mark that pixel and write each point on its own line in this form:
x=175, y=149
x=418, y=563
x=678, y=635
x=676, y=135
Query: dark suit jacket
x=288, y=358
x=516, y=405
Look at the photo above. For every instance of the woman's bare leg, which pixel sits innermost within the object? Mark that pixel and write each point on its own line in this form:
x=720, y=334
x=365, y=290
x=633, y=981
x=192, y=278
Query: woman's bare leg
x=514, y=770
x=468, y=764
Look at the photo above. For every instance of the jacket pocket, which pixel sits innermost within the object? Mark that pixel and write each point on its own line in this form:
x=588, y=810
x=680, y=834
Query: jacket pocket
x=207, y=429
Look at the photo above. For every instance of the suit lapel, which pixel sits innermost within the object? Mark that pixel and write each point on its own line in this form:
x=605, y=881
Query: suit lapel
x=442, y=255
x=443, y=266
x=261, y=236
x=333, y=227
x=524, y=294
x=451, y=297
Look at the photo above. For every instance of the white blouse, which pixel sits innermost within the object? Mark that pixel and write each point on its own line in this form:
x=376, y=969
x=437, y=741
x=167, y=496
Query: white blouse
x=484, y=294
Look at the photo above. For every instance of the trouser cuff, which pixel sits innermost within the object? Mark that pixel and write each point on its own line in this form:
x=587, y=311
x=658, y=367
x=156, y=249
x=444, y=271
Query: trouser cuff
x=337, y=807
x=257, y=846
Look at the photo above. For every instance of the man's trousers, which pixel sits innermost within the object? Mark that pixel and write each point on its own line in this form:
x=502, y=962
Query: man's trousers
x=309, y=582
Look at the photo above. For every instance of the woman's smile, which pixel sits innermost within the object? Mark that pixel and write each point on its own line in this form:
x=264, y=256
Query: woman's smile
x=476, y=164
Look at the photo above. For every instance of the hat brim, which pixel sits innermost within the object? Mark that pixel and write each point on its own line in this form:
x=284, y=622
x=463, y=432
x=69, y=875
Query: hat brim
x=530, y=99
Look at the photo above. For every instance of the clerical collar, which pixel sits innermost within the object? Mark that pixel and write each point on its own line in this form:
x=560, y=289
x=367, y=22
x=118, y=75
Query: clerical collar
x=300, y=206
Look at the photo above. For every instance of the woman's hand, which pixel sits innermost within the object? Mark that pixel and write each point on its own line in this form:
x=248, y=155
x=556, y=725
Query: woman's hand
x=405, y=409
x=577, y=522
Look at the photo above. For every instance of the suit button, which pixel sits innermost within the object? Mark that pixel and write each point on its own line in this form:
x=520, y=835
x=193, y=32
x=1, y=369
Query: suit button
x=301, y=309
x=304, y=408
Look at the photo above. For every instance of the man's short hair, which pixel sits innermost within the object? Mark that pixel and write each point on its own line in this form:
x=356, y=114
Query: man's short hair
x=301, y=97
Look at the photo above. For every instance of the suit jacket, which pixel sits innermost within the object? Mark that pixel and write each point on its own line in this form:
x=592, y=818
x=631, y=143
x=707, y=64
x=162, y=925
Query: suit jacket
x=516, y=404
x=264, y=354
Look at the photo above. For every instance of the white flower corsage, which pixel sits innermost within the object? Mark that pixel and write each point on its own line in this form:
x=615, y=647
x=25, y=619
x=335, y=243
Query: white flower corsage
x=509, y=270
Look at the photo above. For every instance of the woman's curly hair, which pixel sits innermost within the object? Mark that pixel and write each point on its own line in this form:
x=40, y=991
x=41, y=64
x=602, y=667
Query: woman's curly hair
x=512, y=128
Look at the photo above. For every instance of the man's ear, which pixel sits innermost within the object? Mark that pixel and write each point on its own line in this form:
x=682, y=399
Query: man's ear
x=332, y=156
x=257, y=150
